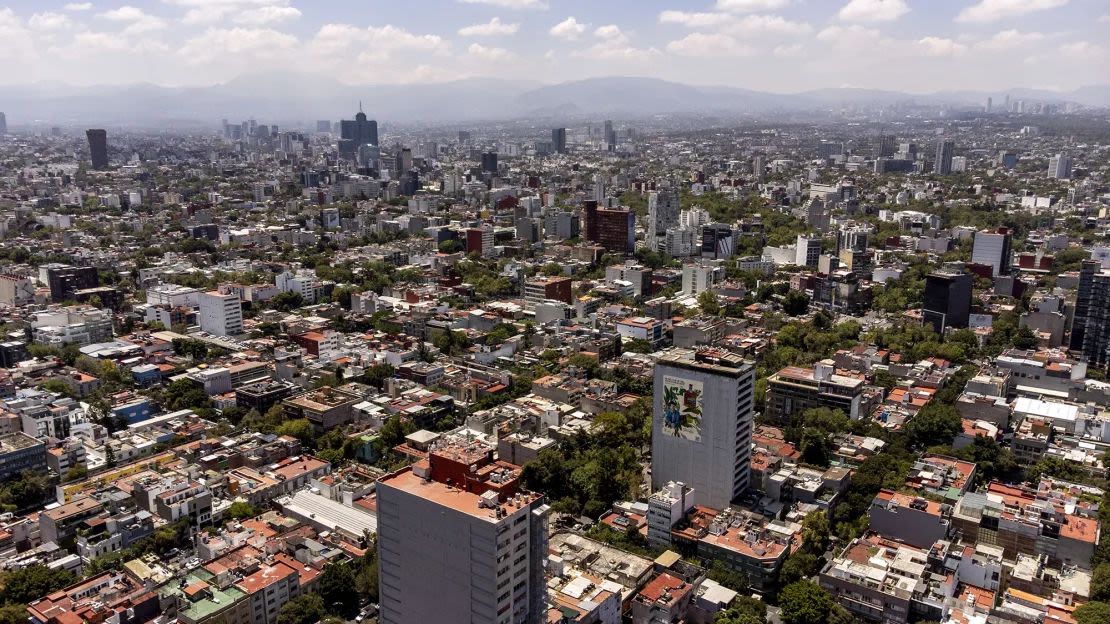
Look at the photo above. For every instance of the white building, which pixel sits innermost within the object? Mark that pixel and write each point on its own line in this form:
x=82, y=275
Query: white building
x=220, y=315
x=308, y=287
x=1059, y=167
x=80, y=325
x=698, y=278
x=807, y=251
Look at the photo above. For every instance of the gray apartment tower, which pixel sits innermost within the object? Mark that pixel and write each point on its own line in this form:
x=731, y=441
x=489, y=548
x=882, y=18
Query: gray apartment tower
x=943, y=163
x=3, y=123
x=98, y=148
x=663, y=209
x=1087, y=273
x=702, y=425
x=460, y=541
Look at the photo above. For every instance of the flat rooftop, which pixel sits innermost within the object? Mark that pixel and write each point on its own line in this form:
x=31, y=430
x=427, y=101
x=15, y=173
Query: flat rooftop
x=452, y=497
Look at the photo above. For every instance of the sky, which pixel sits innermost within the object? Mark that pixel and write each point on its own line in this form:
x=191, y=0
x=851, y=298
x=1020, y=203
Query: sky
x=917, y=46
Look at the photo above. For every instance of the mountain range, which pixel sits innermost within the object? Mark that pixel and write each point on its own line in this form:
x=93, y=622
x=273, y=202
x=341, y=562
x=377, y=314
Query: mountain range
x=297, y=100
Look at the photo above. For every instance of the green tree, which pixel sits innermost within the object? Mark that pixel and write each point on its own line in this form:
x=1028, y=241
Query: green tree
x=185, y=394
x=743, y=610
x=935, y=423
x=798, y=567
x=240, y=510
x=33, y=582
x=28, y=489
x=1094, y=612
x=13, y=614
x=816, y=533
x=366, y=579
x=804, y=602
x=795, y=302
x=708, y=303
x=299, y=428
x=1100, y=583
x=336, y=583
x=304, y=609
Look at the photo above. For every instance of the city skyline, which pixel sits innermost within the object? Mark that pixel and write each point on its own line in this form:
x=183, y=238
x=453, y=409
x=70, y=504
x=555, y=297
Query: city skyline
x=775, y=45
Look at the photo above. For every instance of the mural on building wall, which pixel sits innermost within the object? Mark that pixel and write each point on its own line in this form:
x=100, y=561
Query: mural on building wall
x=682, y=406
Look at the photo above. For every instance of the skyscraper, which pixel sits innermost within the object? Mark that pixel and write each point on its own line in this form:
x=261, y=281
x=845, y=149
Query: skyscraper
x=359, y=131
x=489, y=162
x=98, y=148
x=702, y=425
x=886, y=146
x=559, y=140
x=1059, y=167
x=943, y=163
x=610, y=137
x=1087, y=273
x=3, y=123
x=994, y=249
x=663, y=211
x=460, y=541
x=323, y=125
x=947, y=301
x=1096, y=329
x=717, y=241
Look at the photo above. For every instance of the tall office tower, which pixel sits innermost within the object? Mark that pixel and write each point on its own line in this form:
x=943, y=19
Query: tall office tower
x=489, y=162
x=1007, y=160
x=464, y=136
x=3, y=123
x=717, y=241
x=1059, y=167
x=610, y=137
x=993, y=248
x=359, y=131
x=64, y=280
x=853, y=239
x=98, y=148
x=599, y=189
x=406, y=159
x=807, y=250
x=702, y=425
x=460, y=541
x=943, y=163
x=323, y=125
x=1087, y=273
x=615, y=229
x=886, y=146
x=559, y=140
x=1096, y=331
x=663, y=211
x=990, y=104
x=757, y=167
x=947, y=300
x=220, y=314
x=589, y=219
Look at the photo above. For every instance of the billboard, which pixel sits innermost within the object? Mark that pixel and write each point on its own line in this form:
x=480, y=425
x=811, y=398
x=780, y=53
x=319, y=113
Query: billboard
x=682, y=404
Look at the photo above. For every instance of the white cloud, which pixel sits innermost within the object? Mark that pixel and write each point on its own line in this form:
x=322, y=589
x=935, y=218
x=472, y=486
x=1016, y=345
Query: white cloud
x=268, y=15
x=492, y=28
x=78, y=6
x=568, y=29
x=692, y=20
x=789, y=51
x=854, y=37
x=939, y=46
x=516, y=5
x=751, y=6
x=762, y=25
x=484, y=53
x=995, y=10
x=240, y=44
x=1104, y=19
x=88, y=44
x=709, y=45
x=336, y=39
x=137, y=20
x=873, y=10
x=49, y=21
x=611, y=32
x=1083, y=50
x=1008, y=40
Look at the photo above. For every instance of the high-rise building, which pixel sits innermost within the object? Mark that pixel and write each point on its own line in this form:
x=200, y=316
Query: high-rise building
x=323, y=125
x=3, y=123
x=943, y=163
x=489, y=162
x=663, y=211
x=356, y=132
x=405, y=158
x=612, y=228
x=610, y=137
x=1059, y=167
x=1087, y=273
x=993, y=248
x=1007, y=160
x=947, y=300
x=886, y=146
x=1096, y=321
x=702, y=425
x=717, y=241
x=98, y=148
x=460, y=541
x=220, y=314
x=807, y=250
x=64, y=280
x=559, y=140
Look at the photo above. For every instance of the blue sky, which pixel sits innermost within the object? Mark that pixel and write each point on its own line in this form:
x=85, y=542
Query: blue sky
x=775, y=45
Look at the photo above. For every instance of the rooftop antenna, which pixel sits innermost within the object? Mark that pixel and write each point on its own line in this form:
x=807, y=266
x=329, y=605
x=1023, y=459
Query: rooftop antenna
x=360, y=106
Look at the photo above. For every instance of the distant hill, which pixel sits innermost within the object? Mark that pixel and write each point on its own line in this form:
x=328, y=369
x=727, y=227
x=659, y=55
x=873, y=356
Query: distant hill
x=300, y=99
